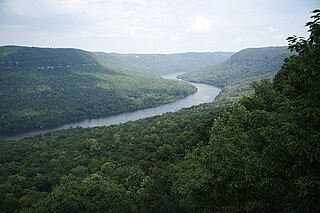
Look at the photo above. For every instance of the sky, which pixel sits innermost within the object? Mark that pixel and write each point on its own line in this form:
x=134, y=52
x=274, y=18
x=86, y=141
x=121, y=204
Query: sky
x=153, y=26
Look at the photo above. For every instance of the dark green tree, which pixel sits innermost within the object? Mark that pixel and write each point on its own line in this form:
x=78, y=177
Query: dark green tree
x=94, y=194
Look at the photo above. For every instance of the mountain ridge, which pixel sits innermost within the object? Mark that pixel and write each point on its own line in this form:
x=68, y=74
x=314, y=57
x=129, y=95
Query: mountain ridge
x=160, y=64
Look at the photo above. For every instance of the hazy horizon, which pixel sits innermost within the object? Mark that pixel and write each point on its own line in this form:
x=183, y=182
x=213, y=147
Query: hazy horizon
x=143, y=53
x=154, y=26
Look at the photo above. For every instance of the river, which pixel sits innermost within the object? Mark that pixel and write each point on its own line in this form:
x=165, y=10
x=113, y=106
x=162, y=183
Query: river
x=205, y=93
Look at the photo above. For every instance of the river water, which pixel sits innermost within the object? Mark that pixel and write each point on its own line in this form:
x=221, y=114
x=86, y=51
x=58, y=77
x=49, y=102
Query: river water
x=206, y=93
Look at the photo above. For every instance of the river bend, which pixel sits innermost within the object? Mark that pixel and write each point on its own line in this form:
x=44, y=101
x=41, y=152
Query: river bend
x=205, y=93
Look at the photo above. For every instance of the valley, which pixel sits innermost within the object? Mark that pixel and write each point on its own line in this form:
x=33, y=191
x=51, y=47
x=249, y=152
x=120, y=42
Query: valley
x=43, y=87
x=115, y=151
x=147, y=143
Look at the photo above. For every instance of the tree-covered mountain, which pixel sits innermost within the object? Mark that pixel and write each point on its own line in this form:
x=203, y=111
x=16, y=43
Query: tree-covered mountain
x=236, y=74
x=159, y=64
x=41, y=87
x=242, y=66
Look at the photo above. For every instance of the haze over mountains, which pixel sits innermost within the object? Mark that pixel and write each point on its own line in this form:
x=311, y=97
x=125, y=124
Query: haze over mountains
x=160, y=64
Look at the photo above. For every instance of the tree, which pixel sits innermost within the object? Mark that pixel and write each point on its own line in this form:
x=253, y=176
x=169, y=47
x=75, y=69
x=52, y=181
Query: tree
x=94, y=194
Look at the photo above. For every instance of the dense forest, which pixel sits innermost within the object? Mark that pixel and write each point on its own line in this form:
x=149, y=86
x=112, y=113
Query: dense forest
x=159, y=64
x=41, y=87
x=260, y=154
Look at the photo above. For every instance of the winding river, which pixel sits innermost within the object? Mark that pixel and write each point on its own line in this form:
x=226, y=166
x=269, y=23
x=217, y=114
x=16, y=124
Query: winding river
x=206, y=93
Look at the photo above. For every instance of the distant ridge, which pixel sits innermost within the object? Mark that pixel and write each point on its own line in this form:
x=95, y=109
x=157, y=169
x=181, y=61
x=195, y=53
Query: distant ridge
x=16, y=56
x=160, y=64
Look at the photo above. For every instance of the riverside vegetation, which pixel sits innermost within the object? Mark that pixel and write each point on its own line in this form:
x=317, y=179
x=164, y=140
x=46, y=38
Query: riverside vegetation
x=259, y=154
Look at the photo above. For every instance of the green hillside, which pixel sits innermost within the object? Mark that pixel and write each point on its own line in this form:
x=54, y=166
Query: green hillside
x=243, y=66
x=160, y=64
x=236, y=74
x=41, y=87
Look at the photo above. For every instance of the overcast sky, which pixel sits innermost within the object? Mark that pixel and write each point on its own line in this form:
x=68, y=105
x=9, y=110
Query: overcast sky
x=153, y=26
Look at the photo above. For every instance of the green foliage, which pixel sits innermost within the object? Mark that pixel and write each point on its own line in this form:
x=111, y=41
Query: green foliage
x=47, y=87
x=93, y=194
x=135, y=160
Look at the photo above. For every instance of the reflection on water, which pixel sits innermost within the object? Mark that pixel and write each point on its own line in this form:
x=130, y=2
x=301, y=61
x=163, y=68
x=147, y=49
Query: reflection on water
x=205, y=94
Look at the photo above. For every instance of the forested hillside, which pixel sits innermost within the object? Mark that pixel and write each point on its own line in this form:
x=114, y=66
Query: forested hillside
x=41, y=87
x=122, y=168
x=236, y=74
x=261, y=154
x=243, y=66
x=160, y=64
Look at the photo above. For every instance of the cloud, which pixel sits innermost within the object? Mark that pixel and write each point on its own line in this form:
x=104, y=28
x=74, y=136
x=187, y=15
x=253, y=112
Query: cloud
x=141, y=2
x=202, y=25
x=174, y=38
x=150, y=25
x=281, y=36
x=247, y=39
x=271, y=29
x=94, y=18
